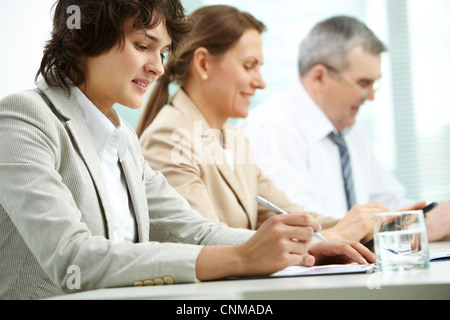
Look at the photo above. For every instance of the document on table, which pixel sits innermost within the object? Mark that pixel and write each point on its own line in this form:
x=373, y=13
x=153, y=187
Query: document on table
x=342, y=268
x=437, y=256
x=297, y=271
x=325, y=270
x=434, y=256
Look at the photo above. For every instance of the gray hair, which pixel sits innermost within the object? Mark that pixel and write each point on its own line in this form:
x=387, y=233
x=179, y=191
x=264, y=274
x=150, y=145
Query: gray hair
x=330, y=41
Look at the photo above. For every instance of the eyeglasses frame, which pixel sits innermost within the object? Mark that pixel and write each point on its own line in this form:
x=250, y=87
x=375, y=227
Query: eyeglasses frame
x=366, y=92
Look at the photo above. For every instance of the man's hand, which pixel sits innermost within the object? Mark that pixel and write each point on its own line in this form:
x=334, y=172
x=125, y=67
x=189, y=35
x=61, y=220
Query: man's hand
x=438, y=222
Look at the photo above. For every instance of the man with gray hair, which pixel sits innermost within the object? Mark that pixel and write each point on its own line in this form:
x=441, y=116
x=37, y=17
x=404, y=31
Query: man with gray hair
x=305, y=137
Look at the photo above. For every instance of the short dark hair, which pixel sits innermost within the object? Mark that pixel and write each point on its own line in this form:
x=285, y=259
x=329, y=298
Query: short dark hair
x=102, y=28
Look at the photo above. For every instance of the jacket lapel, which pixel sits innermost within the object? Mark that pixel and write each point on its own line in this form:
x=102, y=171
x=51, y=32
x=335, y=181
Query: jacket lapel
x=212, y=149
x=136, y=194
x=232, y=179
x=68, y=108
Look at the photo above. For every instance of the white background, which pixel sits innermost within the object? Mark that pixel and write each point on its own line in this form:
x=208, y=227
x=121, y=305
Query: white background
x=419, y=103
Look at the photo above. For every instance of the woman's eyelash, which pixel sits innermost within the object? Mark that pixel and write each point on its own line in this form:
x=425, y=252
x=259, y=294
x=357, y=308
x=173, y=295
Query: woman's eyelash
x=248, y=66
x=141, y=47
x=165, y=55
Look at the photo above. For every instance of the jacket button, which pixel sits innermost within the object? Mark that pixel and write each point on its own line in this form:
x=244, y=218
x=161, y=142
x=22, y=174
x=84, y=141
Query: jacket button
x=148, y=283
x=138, y=283
x=168, y=280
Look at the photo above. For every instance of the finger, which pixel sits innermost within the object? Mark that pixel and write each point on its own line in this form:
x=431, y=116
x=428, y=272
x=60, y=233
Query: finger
x=302, y=220
x=358, y=253
x=307, y=260
x=368, y=209
x=417, y=206
x=341, y=251
x=365, y=252
x=296, y=246
x=301, y=234
x=376, y=207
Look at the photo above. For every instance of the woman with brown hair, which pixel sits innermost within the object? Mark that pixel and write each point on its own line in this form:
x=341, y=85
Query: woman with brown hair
x=80, y=208
x=187, y=137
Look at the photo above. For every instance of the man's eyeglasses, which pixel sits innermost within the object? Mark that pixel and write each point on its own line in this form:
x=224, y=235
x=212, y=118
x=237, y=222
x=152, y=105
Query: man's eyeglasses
x=366, y=92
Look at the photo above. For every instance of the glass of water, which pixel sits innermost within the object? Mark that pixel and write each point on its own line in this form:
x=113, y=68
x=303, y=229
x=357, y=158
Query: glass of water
x=401, y=241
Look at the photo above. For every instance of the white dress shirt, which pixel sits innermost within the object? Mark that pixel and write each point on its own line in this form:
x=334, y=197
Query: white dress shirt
x=289, y=134
x=111, y=147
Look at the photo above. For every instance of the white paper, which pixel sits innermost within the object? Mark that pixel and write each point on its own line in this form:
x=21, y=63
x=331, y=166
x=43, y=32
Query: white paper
x=323, y=270
x=434, y=256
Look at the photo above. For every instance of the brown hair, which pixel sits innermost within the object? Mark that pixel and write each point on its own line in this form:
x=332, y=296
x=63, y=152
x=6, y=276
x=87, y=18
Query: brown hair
x=217, y=28
x=101, y=28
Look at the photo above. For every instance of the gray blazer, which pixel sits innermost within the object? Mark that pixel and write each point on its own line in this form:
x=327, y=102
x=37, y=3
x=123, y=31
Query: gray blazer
x=55, y=222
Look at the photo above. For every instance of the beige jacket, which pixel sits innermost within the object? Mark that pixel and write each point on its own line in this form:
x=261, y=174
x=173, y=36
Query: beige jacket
x=190, y=154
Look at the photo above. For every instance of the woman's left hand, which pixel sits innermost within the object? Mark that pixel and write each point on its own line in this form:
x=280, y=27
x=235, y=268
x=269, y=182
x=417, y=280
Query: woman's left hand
x=341, y=252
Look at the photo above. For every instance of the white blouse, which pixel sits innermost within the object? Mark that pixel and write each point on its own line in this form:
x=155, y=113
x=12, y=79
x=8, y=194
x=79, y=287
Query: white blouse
x=111, y=147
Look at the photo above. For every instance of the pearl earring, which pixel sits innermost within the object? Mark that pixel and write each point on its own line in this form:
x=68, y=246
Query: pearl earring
x=204, y=77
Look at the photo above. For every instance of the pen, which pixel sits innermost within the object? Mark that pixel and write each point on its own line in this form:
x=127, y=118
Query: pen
x=274, y=208
x=429, y=207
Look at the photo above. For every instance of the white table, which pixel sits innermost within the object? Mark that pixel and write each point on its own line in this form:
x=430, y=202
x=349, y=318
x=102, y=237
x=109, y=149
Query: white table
x=433, y=283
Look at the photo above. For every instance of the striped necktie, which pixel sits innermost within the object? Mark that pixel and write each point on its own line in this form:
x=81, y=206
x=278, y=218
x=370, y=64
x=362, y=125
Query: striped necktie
x=346, y=168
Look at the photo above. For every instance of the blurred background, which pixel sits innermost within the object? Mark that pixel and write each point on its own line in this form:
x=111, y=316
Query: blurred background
x=410, y=119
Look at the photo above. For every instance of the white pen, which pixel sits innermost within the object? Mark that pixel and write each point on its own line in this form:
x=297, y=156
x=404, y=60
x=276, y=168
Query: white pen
x=274, y=208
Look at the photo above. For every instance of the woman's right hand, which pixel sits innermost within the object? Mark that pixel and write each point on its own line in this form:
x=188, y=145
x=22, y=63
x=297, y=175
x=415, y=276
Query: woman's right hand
x=282, y=241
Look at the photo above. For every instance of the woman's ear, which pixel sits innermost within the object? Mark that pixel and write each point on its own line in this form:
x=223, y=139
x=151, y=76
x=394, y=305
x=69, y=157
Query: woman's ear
x=201, y=63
